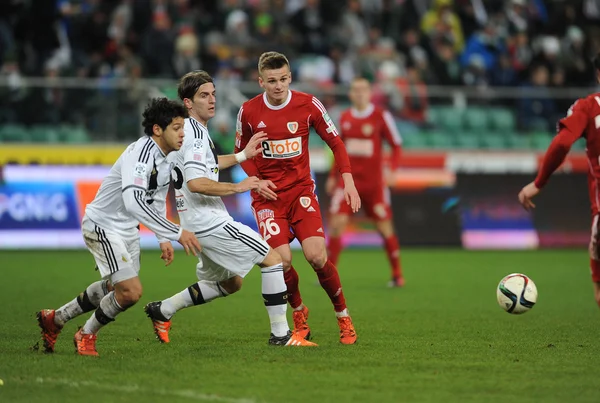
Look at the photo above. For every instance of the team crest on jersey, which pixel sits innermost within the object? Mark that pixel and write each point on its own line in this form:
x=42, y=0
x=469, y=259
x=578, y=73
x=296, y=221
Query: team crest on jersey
x=305, y=201
x=346, y=126
x=293, y=127
x=367, y=129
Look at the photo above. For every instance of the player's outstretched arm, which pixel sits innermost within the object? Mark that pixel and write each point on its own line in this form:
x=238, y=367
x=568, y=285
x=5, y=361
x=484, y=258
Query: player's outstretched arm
x=209, y=187
x=252, y=149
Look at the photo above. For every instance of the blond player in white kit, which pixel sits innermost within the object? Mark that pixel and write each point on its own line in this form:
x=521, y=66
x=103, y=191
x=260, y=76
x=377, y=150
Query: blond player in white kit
x=229, y=249
x=134, y=192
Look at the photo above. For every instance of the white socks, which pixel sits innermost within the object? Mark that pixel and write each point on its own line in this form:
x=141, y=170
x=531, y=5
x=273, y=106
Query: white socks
x=196, y=294
x=106, y=312
x=274, y=293
x=87, y=301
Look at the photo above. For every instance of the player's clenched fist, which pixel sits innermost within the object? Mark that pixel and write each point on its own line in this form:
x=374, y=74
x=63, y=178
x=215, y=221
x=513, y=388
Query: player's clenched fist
x=190, y=243
x=250, y=183
x=254, y=146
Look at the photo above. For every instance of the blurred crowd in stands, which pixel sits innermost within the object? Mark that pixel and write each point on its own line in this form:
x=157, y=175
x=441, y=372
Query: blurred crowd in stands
x=402, y=45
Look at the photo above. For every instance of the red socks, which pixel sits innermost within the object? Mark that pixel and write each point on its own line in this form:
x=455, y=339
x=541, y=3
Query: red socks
x=330, y=281
x=291, y=281
x=392, y=249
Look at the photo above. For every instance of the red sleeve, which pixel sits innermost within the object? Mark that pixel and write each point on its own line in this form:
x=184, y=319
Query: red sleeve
x=571, y=128
x=392, y=137
x=242, y=136
x=326, y=129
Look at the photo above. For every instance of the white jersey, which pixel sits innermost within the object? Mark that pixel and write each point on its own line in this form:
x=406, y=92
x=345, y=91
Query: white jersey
x=135, y=191
x=198, y=158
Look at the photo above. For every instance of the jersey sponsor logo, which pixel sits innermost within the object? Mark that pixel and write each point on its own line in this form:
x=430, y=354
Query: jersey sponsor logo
x=180, y=203
x=280, y=149
x=311, y=209
x=360, y=147
x=264, y=214
x=292, y=127
x=262, y=125
x=367, y=129
x=305, y=201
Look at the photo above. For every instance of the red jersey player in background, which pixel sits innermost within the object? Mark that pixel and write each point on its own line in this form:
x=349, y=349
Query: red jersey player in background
x=582, y=120
x=363, y=129
x=285, y=205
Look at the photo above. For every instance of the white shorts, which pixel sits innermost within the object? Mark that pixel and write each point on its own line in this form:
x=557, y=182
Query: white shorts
x=112, y=252
x=232, y=250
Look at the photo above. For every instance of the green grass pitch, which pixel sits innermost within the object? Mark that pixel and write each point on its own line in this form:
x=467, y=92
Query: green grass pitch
x=443, y=338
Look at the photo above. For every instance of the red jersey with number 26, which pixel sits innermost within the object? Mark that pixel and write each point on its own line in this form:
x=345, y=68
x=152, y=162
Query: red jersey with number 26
x=285, y=158
x=583, y=119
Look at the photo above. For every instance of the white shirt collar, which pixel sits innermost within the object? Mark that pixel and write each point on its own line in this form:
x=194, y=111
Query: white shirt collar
x=200, y=123
x=362, y=114
x=277, y=107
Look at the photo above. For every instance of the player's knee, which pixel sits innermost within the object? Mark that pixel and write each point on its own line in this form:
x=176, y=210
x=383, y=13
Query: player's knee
x=317, y=258
x=232, y=285
x=128, y=295
x=273, y=258
x=597, y=295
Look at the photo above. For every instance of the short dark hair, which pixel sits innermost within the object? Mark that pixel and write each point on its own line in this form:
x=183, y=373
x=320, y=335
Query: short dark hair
x=189, y=83
x=161, y=112
x=272, y=61
x=596, y=61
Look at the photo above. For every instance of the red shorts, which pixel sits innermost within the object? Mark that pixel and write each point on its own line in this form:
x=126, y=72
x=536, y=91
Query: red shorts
x=375, y=202
x=595, y=250
x=295, y=214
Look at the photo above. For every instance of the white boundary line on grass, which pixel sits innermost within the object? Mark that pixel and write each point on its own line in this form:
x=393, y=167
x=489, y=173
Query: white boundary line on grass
x=133, y=388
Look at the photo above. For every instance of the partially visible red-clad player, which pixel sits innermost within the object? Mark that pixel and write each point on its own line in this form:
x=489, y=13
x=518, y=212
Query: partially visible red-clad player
x=364, y=127
x=285, y=205
x=582, y=120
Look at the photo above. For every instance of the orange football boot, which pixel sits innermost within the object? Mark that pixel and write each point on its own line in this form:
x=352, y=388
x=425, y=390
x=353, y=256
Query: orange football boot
x=347, y=332
x=300, y=326
x=50, y=330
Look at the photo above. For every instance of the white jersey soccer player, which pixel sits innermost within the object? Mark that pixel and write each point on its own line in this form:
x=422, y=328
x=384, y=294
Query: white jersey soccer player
x=229, y=249
x=134, y=191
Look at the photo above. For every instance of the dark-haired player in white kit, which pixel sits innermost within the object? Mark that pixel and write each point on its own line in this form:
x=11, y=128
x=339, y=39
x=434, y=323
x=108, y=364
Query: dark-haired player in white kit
x=134, y=192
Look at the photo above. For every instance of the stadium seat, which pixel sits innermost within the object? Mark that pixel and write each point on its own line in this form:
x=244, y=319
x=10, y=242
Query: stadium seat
x=518, y=141
x=540, y=140
x=468, y=140
x=43, y=134
x=451, y=119
x=13, y=133
x=502, y=120
x=493, y=141
x=476, y=119
x=439, y=140
x=419, y=140
x=73, y=134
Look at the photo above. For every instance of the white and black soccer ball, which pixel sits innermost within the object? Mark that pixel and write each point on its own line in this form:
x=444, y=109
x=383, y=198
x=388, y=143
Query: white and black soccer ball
x=516, y=293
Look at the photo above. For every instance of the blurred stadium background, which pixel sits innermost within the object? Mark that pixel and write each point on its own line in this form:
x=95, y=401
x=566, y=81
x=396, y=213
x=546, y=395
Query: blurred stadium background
x=476, y=87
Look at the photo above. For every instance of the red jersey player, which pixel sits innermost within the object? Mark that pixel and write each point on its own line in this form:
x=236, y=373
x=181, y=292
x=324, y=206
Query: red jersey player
x=363, y=129
x=582, y=120
x=285, y=205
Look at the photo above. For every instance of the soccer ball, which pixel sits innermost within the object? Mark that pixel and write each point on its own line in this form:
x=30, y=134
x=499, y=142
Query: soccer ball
x=516, y=293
